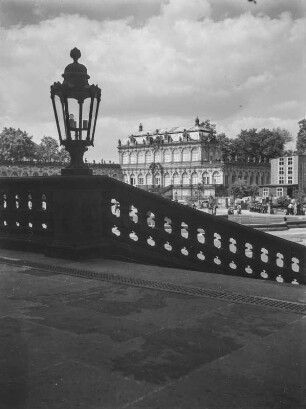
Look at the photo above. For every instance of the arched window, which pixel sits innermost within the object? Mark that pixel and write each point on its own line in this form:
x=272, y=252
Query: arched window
x=216, y=177
x=14, y=174
x=167, y=155
x=125, y=158
x=132, y=180
x=35, y=174
x=157, y=179
x=133, y=157
x=176, y=179
x=194, y=178
x=148, y=157
x=186, y=155
x=262, y=179
x=140, y=179
x=185, y=178
x=167, y=179
x=157, y=156
x=125, y=178
x=25, y=174
x=141, y=157
x=149, y=179
x=194, y=155
x=206, y=178
x=176, y=155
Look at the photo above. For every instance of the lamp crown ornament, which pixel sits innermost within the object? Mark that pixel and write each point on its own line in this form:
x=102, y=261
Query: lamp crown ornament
x=76, y=105
x=75, y=74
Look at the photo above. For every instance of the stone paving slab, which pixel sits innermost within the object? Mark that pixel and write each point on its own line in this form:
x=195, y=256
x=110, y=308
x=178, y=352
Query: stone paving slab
x=217, y=282
x=269, y=373
x=68, y=342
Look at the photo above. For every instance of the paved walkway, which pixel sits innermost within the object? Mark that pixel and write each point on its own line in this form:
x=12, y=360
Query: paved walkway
x=69, y=342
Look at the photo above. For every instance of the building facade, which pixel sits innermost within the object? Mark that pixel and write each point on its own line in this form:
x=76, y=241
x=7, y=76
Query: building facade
x=288, y=177
x=184, y=163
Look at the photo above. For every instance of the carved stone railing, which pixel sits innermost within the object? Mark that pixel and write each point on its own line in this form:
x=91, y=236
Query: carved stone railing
x=71, y=216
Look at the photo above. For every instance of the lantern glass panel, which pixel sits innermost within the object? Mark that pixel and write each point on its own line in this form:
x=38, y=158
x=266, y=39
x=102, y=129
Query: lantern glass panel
x=85, y=118
x=93, y=119
x=73, y=115
x=60, y=116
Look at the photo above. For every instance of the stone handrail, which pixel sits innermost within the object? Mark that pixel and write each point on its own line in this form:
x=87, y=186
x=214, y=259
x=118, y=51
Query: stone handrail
x=70, y=216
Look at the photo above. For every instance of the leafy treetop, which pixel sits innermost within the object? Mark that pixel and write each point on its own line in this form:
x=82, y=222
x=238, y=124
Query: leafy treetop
x=16, y=145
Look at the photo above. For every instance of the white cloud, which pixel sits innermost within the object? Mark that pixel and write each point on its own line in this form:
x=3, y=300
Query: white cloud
x=240, y=71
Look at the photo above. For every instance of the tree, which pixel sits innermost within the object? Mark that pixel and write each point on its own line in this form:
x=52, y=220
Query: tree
x=253, y=143
x=283, y=201
x=241, y=189
x=16, y=145
x=48, y=150
x=208, y=125
x=290, y=152
x=63, y=155
x=299, y=196
x=273, y=142
x=301, y=138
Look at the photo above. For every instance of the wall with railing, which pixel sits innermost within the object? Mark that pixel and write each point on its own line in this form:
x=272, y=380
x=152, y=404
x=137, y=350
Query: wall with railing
x=70, y=215
x=10, y=168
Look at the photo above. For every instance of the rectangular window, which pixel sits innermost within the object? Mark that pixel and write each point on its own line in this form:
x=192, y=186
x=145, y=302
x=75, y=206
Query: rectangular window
x=265, y=192
x=279, y=191
x=289, y=180
x=167, y=156
x=281, y=161
x=281, y=180
x=141, y=157
x=289, y=161
x=290, y=171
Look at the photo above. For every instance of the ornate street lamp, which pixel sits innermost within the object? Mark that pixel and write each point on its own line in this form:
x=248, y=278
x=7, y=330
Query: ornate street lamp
x=76, y=105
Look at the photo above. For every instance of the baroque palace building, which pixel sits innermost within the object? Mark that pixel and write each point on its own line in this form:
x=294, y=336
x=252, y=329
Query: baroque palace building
x=185, y=163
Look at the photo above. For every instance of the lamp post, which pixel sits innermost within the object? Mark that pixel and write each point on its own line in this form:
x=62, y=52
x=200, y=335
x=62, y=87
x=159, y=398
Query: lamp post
x=76, y=105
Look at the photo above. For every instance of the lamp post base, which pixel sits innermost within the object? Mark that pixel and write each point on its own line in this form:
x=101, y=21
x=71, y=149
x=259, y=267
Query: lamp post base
x=76, y=151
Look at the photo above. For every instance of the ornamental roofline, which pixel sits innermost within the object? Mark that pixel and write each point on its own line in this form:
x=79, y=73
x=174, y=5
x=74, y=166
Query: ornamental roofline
x=169, y=131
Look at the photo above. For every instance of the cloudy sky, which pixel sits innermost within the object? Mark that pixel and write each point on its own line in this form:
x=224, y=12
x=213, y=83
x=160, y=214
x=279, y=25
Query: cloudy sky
x=159, y=62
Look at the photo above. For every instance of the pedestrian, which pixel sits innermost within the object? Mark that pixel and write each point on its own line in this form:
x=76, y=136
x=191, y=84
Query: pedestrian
x=215, y=209
x=298, y=209
x=290, y=208
x=295, y=212
x=239, y=209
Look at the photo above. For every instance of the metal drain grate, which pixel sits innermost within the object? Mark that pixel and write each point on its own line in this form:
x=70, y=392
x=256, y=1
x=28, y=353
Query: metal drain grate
x=288, y=306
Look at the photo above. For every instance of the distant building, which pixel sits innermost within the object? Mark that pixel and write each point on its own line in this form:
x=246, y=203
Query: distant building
x=32, y=168
x=288, y=176
x=184, y=163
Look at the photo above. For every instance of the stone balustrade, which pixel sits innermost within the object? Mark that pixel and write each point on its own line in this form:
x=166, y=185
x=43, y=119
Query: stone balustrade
x=74, y=216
